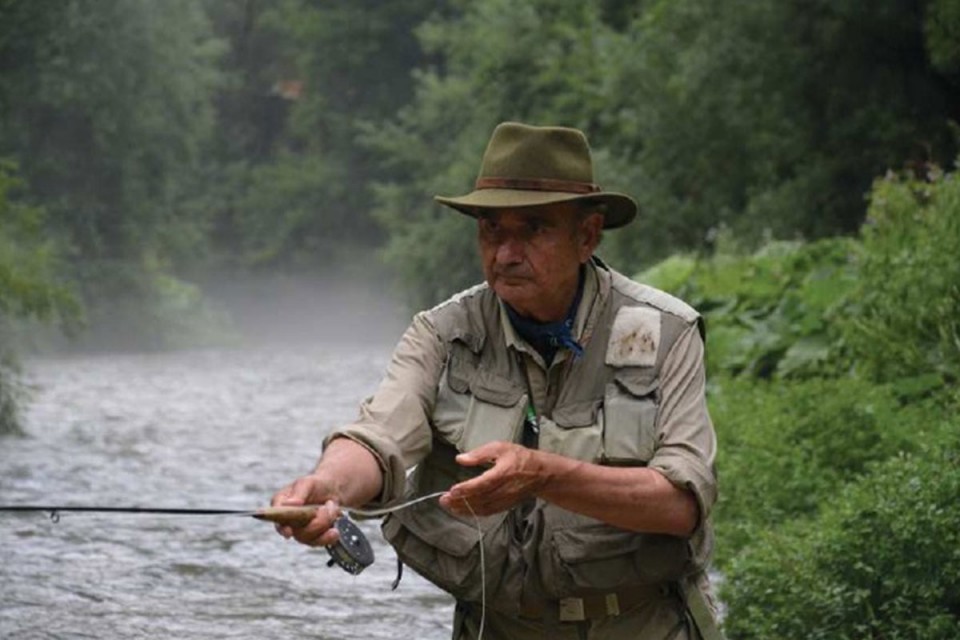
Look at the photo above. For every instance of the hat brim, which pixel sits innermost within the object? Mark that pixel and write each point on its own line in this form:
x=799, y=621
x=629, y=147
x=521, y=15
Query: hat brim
x=619, y=209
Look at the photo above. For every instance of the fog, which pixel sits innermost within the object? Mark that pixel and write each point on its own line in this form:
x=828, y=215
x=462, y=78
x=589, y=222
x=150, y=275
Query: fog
x=289, y=310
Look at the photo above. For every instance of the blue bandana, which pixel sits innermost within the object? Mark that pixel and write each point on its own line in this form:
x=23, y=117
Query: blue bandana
x=547, y=338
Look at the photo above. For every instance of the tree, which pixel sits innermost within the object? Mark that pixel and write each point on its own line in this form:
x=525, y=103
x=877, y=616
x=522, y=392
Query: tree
x=539, y=62
x=29, y=286
x=106, y=107
x=306, y=78
x=769, y=118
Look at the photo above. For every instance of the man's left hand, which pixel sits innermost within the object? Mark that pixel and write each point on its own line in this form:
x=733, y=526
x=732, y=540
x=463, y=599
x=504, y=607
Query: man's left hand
x=516, y=474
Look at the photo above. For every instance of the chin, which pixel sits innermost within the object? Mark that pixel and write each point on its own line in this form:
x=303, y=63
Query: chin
x=514, y=295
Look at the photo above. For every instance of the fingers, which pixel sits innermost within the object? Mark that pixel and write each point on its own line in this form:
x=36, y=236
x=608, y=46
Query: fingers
x=319, y=532
x=304, y=491
x=514, y=477
x=488, y=493
x=484, y=454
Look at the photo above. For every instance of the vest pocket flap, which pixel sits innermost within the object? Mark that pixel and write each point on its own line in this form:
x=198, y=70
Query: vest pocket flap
x=595, y=542
x=599, y=557
x=639, y=385
x=495, y=389
x=577, y=414
x=630, y=407
x=462, y=367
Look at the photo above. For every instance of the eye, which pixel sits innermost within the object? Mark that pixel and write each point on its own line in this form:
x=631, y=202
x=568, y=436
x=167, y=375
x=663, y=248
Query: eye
x=536, y=226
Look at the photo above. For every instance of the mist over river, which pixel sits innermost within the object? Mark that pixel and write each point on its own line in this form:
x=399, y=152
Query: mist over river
x=220, y=428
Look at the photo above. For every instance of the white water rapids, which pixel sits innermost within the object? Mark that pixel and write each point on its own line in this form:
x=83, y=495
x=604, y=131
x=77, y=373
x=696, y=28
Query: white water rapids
x=200, y=429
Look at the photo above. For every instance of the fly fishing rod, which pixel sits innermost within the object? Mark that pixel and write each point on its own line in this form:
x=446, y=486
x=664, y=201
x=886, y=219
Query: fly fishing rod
x=352, y=552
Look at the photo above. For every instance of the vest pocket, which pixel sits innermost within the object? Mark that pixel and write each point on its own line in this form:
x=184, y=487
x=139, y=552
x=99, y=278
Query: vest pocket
x=630, y=406
x=494, y=413
x=596, y=556
x=475, y=405
x=445, y=550
x=573, y=431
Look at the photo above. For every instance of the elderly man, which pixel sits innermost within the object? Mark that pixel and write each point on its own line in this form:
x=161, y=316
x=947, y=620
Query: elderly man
x=559, y=407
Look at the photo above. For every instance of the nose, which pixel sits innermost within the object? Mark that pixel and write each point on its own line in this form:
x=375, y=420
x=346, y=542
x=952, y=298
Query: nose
x=510, y=251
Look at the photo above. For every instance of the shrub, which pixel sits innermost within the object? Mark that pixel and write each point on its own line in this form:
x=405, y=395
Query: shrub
x=786, y=447
x=906, y=320
x=881, y=561
x=28, y=286
x=768, y=314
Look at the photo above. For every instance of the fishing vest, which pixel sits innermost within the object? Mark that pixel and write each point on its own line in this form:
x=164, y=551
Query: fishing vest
x=606, y=413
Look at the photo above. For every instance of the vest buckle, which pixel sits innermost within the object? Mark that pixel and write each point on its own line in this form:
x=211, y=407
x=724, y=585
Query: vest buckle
x=572, y=610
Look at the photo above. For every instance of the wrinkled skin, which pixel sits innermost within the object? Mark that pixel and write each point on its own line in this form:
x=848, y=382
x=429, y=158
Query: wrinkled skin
x=531, y=256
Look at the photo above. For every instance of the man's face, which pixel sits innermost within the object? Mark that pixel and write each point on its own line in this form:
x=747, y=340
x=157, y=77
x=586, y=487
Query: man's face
x=531, y=255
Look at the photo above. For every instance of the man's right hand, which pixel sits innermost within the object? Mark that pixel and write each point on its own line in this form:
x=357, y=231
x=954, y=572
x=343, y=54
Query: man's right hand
x=309, y=490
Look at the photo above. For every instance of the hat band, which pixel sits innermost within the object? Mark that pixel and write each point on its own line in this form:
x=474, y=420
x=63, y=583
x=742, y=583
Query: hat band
x=537, y=184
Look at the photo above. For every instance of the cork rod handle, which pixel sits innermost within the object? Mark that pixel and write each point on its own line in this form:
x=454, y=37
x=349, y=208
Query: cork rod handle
x=290, y=516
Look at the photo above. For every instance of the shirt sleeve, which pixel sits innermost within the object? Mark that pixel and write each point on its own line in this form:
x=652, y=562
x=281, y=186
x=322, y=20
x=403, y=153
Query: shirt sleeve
x=393, y=424
x=686, y=441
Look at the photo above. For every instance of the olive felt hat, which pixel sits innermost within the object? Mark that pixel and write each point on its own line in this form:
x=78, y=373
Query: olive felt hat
x=526, y=166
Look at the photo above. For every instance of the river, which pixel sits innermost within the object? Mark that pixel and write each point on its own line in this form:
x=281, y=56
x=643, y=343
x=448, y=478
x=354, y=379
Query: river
x=218, y=428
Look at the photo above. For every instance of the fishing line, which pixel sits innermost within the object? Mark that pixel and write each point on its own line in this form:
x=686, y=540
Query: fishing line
x=476, y=520
x=373, y=513
x=483, y=577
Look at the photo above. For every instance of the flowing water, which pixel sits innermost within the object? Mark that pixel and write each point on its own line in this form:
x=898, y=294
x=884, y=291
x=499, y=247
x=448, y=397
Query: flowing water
x=198, y=429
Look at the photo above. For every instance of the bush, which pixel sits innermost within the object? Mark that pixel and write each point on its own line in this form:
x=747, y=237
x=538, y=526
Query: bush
x=28, y=286
x=906, y=321
x=882, y=561
x=768, y=314
x=786, y=447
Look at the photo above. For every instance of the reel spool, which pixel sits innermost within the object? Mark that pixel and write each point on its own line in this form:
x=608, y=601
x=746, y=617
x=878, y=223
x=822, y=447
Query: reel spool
x=352, y=552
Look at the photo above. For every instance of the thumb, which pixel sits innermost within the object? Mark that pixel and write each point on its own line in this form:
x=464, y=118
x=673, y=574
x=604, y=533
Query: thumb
x=483, y=455
x=468, y=459
x=298, y=493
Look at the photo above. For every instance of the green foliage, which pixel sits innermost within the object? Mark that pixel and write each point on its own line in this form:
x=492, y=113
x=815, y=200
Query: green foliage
x=225, y=133
x=865, y=414
x=906, y=321
x=303, y=80
x=107, y=107
x=768, y=118
x=542, y=62
x=770, y=313
x=942, y=34
x=29, y=288
x=787, y=447
x=881, y=561
x=304, y=225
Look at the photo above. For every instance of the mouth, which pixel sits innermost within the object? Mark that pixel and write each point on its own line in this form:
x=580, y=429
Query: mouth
x=512, y=281
x=511, y=276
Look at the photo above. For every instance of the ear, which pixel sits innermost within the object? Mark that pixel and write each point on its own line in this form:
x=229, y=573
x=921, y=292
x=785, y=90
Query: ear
x=591, y=228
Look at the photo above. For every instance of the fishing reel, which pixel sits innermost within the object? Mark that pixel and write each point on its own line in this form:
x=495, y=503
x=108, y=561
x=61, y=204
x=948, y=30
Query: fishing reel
x=352, y=552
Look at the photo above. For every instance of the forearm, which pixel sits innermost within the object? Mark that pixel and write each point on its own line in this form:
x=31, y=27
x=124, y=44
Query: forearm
x=352, y=470
x=633, y=498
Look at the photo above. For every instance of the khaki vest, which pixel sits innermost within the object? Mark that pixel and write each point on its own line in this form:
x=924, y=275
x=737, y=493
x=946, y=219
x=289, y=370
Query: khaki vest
x=606, y=413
